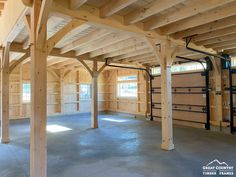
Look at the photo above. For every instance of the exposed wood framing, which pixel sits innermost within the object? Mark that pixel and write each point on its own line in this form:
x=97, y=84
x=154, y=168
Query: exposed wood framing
x=38, y=138
x=115, y=6
x=5, y=95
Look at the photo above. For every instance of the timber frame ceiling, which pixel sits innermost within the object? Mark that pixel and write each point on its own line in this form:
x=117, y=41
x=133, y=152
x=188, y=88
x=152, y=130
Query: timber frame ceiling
x=94, y=35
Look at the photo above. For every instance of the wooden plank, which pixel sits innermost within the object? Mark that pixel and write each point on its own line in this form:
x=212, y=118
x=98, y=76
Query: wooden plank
x=115, y=6
x=152, y=8
x=5, y=95
x=200, y=19
x=192, y=8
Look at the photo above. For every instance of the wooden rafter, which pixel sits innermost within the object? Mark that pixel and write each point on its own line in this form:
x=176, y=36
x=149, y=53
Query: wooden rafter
x=153, y=8
x=114, y=6
x=200, y=19
x=194, y=7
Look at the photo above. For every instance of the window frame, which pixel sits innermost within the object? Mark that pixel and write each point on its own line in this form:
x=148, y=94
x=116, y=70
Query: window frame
x=90, y=92
x=126, y=80
x=25, y=101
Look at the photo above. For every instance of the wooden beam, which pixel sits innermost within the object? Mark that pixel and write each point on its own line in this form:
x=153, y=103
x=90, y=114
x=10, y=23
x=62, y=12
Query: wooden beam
x=222, y=44
x=91, y=15
x=5, y=95
x=200, y=19
x=136, y=47
x=192, y=8
x=115, y=6
x=86, y=67
x=38, y=121
x=43, y=19
x=215, y=34
x=17, y=62
x=218, y=39
x=83, y=40
x=152, y=8
x=133, y=54
x=75, y=4
x=226, y=47
x=1, y=5
x=102, y=42
x=205, y=28
x=114, y=47
x=52, y=41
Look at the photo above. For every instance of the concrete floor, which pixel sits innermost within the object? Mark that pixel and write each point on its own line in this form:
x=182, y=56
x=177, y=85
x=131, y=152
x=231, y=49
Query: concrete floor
x=121, y=147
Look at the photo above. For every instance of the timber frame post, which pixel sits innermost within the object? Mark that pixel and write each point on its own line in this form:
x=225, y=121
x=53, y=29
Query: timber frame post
x=167, y=55
x=5, y=72
x=94, y=73
x=94, y=105
x=218, y=101
x=38, y=122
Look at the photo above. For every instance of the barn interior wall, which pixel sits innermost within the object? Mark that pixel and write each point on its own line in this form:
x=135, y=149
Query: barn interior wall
x=63, y=92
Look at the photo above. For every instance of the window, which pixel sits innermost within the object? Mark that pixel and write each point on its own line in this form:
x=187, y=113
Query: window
x=85, y=91
x=233, y=61
x=180, y=68
x=26, y=92
x=127, y=86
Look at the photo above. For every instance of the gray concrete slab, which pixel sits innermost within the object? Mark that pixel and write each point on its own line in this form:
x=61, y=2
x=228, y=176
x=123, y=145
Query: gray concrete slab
x=121, y=147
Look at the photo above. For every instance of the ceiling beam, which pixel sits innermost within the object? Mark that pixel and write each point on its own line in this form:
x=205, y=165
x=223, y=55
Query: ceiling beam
x=216, y=25
x=52, y=41
x=226, y=47
x=114, y=6
x=217, y=40
x=132, y=54
x=91, y=15
x=101, y=43
x=215, y=34
x=200, y=19
x=222, y=44
x=192, y=8
x=152, y=8
x=75, y=4
x=126, y=50
x=116, y=46
x=85, y=39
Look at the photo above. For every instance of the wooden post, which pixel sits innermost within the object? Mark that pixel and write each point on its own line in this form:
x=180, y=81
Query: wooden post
x=95, y=96
x=62, y=90
x=218, y=105
x=166, y=96
x=148, y=106
x=38, y=121
x=5, y=95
